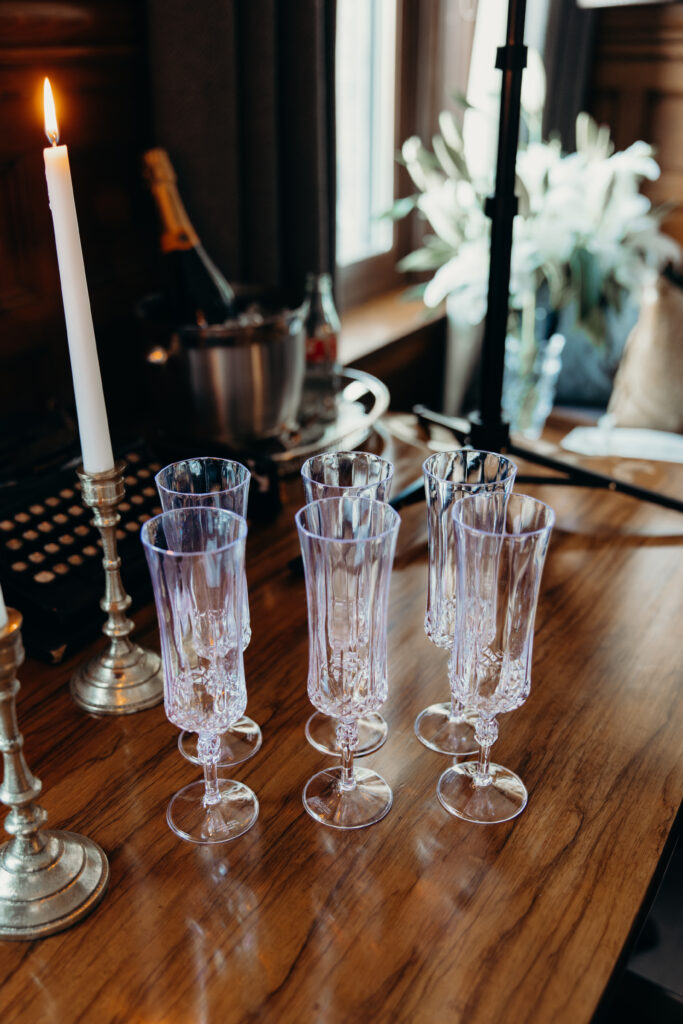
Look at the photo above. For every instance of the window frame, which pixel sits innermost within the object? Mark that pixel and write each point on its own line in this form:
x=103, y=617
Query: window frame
x=359, y=281
x=419, y=85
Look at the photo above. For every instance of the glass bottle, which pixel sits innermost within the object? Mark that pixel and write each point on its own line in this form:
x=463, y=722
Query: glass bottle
x=321, y=384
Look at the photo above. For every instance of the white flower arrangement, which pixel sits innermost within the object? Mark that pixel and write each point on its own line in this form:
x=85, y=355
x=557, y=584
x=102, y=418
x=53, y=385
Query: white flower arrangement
x=583, y=228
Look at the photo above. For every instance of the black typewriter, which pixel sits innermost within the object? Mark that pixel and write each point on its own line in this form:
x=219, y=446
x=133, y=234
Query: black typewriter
x=51, y=554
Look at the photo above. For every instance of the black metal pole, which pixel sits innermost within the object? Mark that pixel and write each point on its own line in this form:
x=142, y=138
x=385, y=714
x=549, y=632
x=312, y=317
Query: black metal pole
x=488, y=429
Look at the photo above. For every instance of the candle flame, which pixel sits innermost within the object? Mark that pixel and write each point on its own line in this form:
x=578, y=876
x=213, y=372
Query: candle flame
x=51, y=126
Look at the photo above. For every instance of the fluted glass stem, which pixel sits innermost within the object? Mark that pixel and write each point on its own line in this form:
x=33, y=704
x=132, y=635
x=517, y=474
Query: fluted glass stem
x=347, y=738
x=208, y=752
x=486, y=734
x=457, y=711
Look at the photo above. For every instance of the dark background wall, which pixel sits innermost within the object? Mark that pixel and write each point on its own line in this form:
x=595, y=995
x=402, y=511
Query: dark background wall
x=95, y=56
x=240, y=93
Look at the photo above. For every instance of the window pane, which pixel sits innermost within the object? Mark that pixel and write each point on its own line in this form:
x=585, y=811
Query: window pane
x=366, y=55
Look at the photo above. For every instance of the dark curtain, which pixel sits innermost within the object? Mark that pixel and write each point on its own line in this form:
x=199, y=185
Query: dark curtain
x=568, y=59
x=243, y=100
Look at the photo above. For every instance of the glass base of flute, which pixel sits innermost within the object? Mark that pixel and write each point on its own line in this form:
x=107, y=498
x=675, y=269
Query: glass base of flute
x=447, y=729
x=481, y=792
x=346, y=796
x=215, y=809
x=321, y=733
x=237, y=744
x=502, y=798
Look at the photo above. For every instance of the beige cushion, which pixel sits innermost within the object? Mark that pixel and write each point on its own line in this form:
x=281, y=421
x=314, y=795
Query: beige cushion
x=648, y=387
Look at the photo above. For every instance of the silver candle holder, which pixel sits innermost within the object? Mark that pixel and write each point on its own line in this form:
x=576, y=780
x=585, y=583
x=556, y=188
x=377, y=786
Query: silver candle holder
x=123, y=677
x=49, y=880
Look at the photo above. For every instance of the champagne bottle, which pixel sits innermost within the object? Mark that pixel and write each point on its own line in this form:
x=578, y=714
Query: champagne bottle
x=197, y=292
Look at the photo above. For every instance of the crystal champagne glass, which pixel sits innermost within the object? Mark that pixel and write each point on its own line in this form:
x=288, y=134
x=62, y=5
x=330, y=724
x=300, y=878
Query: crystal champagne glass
x=333, y=475
x=196, y=561
x=500, y=553
x=220, y=483
x=348, y=547
x=448, y=727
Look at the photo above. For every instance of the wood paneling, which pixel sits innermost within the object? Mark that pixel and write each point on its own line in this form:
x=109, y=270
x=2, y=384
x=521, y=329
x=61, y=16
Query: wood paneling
x=638, y=90
x=95, y=56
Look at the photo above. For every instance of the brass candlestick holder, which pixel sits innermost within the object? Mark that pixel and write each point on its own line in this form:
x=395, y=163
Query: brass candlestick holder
x=124, y=677
x=48, y=880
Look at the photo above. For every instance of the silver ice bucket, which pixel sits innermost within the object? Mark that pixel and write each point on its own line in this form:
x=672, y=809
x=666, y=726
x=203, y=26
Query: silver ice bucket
x=234, y=382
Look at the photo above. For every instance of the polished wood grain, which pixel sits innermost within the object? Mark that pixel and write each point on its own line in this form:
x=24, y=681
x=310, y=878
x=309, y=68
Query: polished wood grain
x=421, y=917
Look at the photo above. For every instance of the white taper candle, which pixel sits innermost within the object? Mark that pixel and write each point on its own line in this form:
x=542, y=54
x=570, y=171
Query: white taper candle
x=85, y=368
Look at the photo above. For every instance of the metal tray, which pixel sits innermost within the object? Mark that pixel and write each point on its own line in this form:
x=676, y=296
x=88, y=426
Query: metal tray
x=361, y=401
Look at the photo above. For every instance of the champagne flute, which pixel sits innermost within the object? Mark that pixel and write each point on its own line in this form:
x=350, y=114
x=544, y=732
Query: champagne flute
x=196, y=561
x=501, y=551
x=448, y=727
x=333, y=475
x=221, y=483
x=348, y=546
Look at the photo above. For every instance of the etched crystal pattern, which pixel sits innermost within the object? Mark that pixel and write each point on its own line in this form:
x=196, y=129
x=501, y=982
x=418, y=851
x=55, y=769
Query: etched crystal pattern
x=347, y=586
x=213, y=483
x=449, y=476
x=499, y=575
x=197, y=567
x=336, y=474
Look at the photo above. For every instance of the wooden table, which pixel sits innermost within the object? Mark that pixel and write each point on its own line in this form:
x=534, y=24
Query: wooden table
x=421, y=917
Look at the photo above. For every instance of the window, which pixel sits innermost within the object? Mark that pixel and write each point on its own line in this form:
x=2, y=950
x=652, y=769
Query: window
x=366, y=73
x=397, y=61
x=368, y=68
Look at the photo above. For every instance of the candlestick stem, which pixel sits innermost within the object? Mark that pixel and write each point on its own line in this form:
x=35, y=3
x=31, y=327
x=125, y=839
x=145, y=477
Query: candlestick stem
x=124, y=677
x=49, y=880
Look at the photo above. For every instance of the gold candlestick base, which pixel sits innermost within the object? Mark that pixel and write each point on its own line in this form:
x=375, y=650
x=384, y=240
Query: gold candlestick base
x=124, y=677
x=49, y=880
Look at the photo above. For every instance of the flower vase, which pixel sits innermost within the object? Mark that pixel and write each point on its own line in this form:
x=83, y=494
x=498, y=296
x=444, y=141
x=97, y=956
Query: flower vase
x=532, y=367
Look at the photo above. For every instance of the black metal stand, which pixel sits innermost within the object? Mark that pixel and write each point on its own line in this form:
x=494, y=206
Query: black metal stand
x=486, y=430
